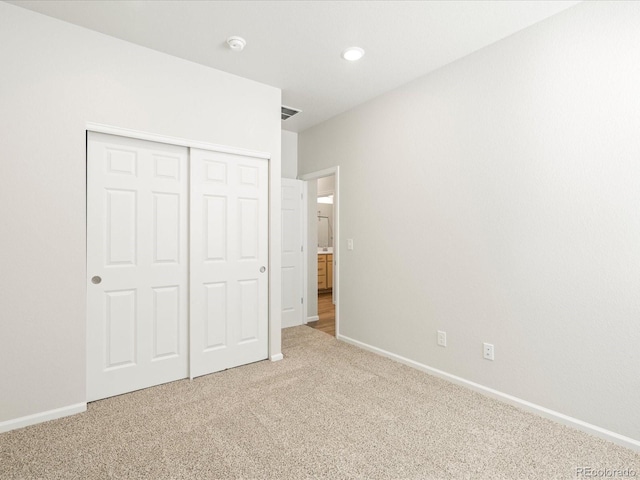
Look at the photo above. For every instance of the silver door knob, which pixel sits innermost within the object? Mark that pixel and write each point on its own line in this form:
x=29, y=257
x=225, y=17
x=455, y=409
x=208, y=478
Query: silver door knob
x=96, y=280
x=262, y=269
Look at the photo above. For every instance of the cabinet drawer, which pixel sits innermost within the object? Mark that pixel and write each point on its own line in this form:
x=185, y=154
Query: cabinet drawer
x=322, y=259
x=329, y=258
x=322, y=282
x=322, y=268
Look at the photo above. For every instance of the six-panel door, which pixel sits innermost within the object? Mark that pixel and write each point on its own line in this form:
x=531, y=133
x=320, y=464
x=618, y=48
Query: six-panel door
x=229, y=261
x=292, y=280
x=137, y=264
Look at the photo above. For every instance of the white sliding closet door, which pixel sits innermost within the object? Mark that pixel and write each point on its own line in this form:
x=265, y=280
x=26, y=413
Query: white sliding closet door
x=137, y=264
x=229, y=261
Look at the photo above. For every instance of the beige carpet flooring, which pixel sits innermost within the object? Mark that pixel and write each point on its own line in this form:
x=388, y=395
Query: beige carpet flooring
x=328, y=410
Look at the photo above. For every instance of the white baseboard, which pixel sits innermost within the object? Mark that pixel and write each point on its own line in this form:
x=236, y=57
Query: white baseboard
x=42, y=417
x=600, y=432
x=315, y=318
x=277, y=357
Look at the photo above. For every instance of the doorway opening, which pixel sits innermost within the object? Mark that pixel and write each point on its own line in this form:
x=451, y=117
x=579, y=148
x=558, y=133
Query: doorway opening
x=322, y=242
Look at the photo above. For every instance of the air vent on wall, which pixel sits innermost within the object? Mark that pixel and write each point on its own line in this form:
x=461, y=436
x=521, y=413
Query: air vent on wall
x=288, y=112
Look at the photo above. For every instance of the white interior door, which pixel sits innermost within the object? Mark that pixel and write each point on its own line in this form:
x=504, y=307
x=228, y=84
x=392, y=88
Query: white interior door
x=292, y=279
x=137, y=264
x=229, y=261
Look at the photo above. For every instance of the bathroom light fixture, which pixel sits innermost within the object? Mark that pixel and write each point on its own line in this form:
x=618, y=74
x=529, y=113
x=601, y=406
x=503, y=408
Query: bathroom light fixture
x=236, y=43
x=328, y=199
x=353, y=53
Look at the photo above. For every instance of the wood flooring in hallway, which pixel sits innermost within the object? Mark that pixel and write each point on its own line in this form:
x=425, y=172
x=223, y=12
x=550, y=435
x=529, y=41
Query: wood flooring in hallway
x=327, y=314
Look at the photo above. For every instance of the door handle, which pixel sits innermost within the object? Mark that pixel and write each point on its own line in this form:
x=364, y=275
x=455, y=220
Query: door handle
x=263, y=269
x=96, y=280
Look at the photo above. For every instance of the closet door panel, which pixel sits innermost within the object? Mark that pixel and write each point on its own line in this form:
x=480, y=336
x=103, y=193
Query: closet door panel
x=137, y=264
x=229, y=261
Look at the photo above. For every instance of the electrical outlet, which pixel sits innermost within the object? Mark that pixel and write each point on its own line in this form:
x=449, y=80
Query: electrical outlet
x=349, y=243
x=487, y=351
x=442, y=338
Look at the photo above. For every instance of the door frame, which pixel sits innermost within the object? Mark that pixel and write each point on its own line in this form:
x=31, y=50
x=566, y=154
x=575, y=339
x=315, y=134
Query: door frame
x=274, y=258
x=327, y=172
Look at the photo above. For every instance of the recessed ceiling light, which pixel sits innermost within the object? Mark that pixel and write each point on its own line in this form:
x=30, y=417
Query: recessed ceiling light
x=353, y=53
x=236, y=43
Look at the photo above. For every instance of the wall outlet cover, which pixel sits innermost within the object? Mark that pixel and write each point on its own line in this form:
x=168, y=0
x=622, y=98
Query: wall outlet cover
x=487, y=351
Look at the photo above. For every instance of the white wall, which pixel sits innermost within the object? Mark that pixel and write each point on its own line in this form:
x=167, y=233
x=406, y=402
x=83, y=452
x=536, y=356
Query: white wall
x=55, y=78
x=289, y=154
x=326, y=185
x=506, y=188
